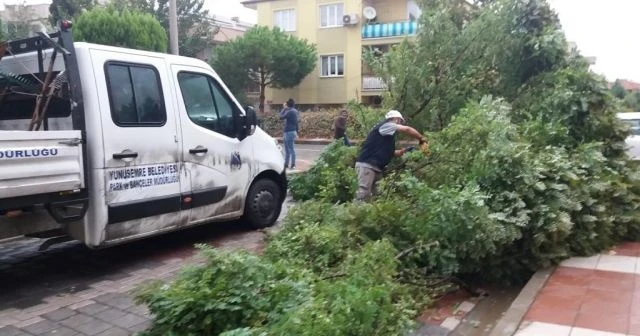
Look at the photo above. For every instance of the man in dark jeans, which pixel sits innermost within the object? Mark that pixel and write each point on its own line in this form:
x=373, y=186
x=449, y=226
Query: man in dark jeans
x=378, y=150
x=290, y=116
x=340, y=126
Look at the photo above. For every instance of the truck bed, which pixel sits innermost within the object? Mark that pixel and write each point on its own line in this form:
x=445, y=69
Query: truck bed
x=40, y=162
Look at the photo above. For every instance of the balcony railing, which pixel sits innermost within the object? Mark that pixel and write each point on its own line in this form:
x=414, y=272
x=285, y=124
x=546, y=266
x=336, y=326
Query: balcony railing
x=372, y=83
x=391, y=29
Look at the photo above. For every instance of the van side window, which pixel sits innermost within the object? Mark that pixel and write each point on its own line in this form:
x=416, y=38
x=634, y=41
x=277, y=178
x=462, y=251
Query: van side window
x=135, y=95
x=207, y=104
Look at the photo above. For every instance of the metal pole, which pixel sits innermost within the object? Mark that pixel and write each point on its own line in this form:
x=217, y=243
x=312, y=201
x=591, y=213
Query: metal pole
x=173, y=27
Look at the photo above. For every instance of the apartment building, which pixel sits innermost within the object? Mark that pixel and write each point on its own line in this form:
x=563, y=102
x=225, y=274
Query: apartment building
x=340, y=29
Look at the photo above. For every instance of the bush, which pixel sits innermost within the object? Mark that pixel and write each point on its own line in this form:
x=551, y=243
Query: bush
x=332, y=178
x=319, y=124
x=239, y=294
x=129, y=29
x=229, y=291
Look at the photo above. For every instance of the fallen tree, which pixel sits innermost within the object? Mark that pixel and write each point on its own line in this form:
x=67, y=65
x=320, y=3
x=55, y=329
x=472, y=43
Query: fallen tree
x=526, y=167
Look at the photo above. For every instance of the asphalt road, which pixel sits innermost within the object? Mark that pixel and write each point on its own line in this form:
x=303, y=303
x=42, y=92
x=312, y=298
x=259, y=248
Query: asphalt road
x=72, y=290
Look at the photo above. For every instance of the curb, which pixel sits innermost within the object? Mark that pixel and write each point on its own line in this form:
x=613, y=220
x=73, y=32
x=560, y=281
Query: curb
x=511, y=320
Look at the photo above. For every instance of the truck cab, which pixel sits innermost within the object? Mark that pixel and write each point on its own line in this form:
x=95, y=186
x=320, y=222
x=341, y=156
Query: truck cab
x=133, y=144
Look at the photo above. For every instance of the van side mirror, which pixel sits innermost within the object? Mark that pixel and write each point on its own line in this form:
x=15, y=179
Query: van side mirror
x=249, y=122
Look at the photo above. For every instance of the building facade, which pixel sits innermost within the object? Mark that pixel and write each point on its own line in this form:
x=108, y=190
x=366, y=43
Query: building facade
x=340, y=29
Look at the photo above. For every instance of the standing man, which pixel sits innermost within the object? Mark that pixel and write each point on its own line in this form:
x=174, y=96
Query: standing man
x=290, y=116
x=378, y=150
x=340, y=126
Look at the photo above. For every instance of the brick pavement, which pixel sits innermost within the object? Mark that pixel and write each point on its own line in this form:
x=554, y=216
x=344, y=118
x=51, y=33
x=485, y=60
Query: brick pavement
x=592, y=296
x=73, y=291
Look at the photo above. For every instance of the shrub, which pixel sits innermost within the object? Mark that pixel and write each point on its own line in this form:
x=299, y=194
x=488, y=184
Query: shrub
x=319, y=124
x=239, y=294
x=129, y=29
x=332, y=177
x=231, y=290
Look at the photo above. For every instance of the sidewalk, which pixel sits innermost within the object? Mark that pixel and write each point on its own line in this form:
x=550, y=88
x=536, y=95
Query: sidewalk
x=591, y=296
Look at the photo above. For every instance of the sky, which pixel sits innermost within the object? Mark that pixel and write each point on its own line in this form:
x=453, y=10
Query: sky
x=600, y=28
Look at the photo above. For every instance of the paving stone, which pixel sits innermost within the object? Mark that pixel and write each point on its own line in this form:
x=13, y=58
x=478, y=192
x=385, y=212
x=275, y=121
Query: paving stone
x=76, y=320
x=115, y=332
x=122, y=302
x=141, y=327
x=30, y=321
x=106, y=297
x=61, y=331
x=93, y=327
x=128, y=321
x=40, y=327
x=12, y=331
x=60, y=314
x=80, y=304
x=93, y=308
x=140, y=310
x=110, y=314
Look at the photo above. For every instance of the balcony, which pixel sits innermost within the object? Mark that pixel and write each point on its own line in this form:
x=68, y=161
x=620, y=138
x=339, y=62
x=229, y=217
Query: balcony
x=389, y=30
x=373, y=84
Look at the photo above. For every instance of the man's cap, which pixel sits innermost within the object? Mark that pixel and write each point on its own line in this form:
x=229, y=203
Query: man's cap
x=393, y=114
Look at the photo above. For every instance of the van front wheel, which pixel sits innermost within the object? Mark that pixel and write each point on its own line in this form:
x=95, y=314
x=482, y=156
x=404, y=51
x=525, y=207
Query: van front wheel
x=263, y=204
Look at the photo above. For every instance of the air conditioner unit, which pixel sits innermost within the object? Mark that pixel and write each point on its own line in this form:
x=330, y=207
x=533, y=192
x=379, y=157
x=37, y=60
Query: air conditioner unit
x=350, y=19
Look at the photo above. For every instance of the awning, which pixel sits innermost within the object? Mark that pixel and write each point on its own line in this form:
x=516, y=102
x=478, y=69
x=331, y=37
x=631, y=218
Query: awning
x=394, y=29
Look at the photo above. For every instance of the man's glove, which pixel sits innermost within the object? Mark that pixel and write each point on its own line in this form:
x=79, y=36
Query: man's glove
x=424, y=148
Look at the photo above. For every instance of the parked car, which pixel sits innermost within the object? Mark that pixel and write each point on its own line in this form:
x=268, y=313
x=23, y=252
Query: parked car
x=633, y=141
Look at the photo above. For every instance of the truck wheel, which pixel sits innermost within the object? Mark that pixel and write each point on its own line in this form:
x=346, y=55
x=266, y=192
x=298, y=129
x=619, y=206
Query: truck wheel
x=263, y=204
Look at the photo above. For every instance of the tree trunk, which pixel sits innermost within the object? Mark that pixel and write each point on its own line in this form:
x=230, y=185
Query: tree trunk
x=263, y=87
x=262, y=98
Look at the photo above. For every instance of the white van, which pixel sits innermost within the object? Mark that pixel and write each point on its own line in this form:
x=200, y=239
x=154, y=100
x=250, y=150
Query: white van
x=632, y=119
x=105, y=145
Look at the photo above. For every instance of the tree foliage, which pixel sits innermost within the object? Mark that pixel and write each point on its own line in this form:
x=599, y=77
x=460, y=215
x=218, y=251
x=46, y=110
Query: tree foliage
x=495, y=49
x=267, y=57
x=629, y=101
x=618, y=90
x=124, y=28
x=195, y=25
x=68, y=9
x=22, y=25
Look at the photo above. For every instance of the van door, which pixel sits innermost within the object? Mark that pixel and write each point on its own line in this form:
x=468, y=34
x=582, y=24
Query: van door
x=216, y=161
x=141, y=149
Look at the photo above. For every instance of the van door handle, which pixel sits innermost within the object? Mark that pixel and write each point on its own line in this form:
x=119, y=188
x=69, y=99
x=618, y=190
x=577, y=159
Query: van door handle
x=198, y=150
x=125, y=155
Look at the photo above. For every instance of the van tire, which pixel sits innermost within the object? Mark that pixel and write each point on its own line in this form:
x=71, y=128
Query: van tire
x=263, y=205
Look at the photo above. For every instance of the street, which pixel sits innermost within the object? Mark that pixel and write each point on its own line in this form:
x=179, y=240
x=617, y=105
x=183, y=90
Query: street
x=69, y=289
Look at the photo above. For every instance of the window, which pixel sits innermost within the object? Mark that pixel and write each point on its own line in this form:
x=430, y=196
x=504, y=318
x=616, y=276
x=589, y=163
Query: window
x=331, y=15
x=332, y=66
x=207, y=104
x=135, y=95
x=285, y=19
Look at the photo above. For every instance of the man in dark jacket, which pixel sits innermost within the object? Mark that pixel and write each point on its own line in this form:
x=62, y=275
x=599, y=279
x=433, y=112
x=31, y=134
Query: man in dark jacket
x=290, y=132
x=340, y=127
x=378, y=150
